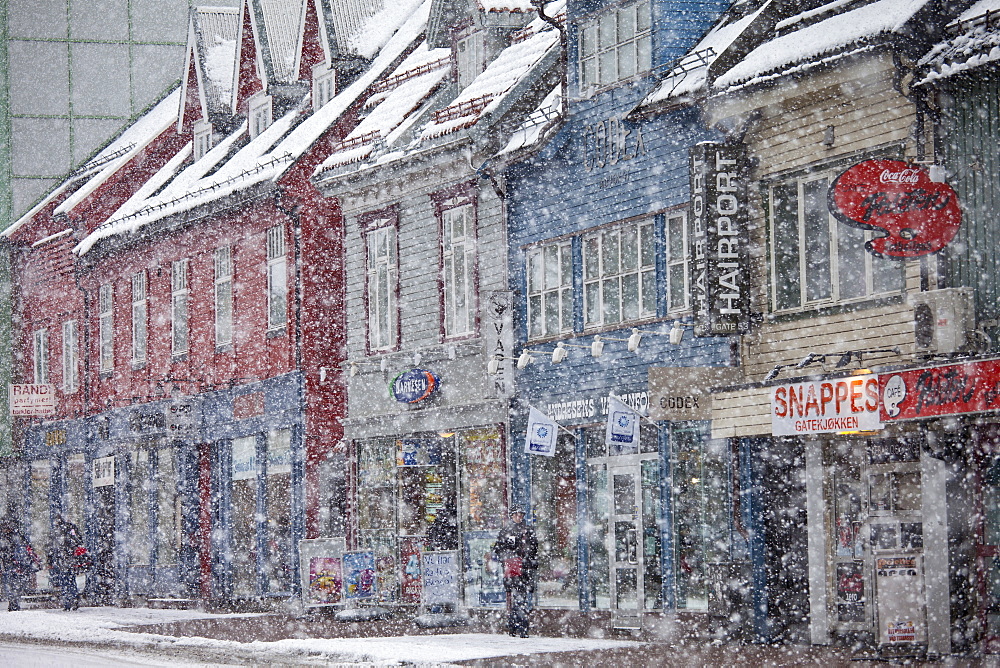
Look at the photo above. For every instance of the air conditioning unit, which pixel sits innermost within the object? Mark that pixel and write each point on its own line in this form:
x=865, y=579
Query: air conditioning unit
x=944, y=321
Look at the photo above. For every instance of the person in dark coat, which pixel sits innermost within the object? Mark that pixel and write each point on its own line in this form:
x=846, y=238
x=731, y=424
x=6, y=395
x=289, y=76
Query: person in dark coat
x=19, y=561
x=517, y=549
x=67, y=558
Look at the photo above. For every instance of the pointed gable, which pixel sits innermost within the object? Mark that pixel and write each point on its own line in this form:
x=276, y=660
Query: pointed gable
x=191, y=107
x=278, y=29
x=247, y=80
x=216, y=32
x=312, y=52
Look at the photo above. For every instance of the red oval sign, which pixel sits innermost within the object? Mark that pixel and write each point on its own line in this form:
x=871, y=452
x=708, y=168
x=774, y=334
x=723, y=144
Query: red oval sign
x=915, y=215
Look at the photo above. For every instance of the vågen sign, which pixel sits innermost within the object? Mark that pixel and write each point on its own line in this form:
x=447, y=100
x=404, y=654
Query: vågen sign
x=413, y=386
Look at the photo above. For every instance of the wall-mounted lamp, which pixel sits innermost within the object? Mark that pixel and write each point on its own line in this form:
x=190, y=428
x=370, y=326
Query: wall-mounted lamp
x=676, y=332
x=597, y=347
x=829, y=136
x=636, y=338
x=844, y=359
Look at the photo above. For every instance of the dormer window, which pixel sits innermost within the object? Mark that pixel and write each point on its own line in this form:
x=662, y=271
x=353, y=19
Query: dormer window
x=260, y=113
x=468, y=57
x=324, y=85
x=202, y=139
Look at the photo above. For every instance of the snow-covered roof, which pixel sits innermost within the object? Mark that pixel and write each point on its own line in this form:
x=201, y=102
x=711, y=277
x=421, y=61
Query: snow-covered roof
x=237, y=163
x=395, y=99
x=974, y=42
x=110, y=159
x=217, y=31
x=376, y=29
x=514, y=6
x=536, y=127
x=690, y=73
x=816, y=40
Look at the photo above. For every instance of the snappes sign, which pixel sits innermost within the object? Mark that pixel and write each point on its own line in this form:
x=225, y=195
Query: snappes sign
x=815, y=407
x=915, y=215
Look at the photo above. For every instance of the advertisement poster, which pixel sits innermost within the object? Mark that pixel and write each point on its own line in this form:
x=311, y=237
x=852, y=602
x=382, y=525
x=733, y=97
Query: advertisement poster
x=321, y=571
x=899, y=584
x=418, y=452
x=483, y=478
x=439, y=571
x=359, y=575
x=850, y=592
x=483, y=575
x=409, y=557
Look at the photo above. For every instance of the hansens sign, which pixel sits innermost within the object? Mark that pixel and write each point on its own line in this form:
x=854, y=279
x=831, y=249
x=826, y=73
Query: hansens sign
x=719, y=239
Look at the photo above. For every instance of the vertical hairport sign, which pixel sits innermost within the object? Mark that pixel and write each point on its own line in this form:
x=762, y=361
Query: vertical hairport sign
x=719, y=244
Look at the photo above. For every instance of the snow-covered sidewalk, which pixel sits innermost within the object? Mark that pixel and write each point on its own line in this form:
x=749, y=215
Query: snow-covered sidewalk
x=105, y=627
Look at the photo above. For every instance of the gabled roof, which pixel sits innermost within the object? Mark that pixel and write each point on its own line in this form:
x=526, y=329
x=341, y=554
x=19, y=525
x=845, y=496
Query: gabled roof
x=215, y=32
x=974, y=41
x=278, y=31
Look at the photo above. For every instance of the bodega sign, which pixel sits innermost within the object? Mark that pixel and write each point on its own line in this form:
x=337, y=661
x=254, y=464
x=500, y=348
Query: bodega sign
x=414, y=386
x=910, y=214
x=720, y=240
x=816, y=407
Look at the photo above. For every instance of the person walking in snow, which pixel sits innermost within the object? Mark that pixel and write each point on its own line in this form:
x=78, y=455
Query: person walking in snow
x=517, y=549
x=67, y=558
x=18, y=559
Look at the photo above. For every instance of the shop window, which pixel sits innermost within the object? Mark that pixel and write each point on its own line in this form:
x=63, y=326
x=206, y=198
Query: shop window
x=700, y=486
x=553, y=504
x=278, y=568
x=382, y=284
x=179, y=307
x=139, y=318
x=277, y=279
x=39, y=518
x=615, y=46
x=41, y=356
x=483, y=479
x=550, y=289
x=244, y=516
x=333, y=510
x=74, y=500
x=376, y=503
x=677, y=263
x=70, y=357
x=139, y=543
x=105, y=321
x=619, y=275
x=223, y=296
x=598, y=516
x=168, y=508
x=815, y=260
x=457, y=221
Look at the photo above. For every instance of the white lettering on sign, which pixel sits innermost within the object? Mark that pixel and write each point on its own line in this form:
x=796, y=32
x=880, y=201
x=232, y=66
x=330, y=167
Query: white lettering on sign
x=903, y=176
x=811, y=407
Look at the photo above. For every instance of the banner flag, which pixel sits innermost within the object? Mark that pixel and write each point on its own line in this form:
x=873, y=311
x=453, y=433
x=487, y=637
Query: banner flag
x=623, y=424
x=541, y=436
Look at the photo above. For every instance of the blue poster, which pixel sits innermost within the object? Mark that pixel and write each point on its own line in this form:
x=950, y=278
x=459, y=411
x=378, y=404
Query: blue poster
x=359, y=575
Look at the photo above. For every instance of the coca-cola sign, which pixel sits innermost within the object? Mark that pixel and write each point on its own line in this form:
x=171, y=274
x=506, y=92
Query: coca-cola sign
x=911, y=214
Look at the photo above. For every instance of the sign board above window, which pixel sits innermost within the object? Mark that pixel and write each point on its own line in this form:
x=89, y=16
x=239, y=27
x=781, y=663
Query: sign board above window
x=912, y=214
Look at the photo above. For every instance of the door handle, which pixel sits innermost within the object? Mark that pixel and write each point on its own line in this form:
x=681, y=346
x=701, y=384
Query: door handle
x=633, y=545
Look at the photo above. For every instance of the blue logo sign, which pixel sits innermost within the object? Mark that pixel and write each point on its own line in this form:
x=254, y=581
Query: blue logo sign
x=413, y=386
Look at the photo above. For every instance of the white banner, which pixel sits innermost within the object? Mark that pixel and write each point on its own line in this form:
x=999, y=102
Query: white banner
x=623, y=425
x=822, y=406
x=541, y=436
x=35, y=400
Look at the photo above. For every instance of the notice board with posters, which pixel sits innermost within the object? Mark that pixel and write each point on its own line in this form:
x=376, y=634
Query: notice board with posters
x=322, y=571
x=899, y=590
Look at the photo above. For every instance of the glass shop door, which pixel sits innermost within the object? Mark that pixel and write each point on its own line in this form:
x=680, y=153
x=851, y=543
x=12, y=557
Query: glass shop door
x=633, y=540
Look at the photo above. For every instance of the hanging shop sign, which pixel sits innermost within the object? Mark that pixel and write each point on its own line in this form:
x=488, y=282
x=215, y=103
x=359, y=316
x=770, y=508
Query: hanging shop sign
x=103, y=471
x=684, y=393
x=951, y=389
x=498, y=340
x=414, y=386
x=822, y=406
x=32, y=400
x=720, y=239
x=910, y=214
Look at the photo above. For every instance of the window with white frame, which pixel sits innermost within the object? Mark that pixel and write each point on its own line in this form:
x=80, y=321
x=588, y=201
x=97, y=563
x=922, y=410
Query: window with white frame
x=202, y=139
x=139, y=318
x=616, y=45
x=677, y=262
x=816, y=260
x=106, y=326
x=70, y=357
x=469, y=57
x=382, y=281
x=277, y=279
x=550, y=289
x=179, y=307
x=458, y=265
x=324, y=85
x=223, y=296
x=619, y=274
x=41, y=356
x=259, y=113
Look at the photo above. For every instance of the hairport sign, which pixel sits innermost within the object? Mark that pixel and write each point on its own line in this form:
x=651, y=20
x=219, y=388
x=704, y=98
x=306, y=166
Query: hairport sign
x=719, y=239
x=824, y=406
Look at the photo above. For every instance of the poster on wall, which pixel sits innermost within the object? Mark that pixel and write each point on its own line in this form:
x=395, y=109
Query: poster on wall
x=359, y=575
x=32, y=400
x=483, y=478
x=418, y=452
x=720, y=240
x=899, y=583
x=910, y=214
x=409, y=558
x=850, y=592
x=439, y=571
x=483, y=574
x=321, y=568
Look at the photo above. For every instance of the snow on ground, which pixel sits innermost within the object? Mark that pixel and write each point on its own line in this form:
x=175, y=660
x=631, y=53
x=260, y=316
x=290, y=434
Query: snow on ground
x=104, y=627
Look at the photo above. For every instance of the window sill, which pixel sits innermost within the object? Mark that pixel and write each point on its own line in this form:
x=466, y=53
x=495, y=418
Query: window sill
x=801, y=313
x=224, y=349
x=277, y=332
x=178, y=357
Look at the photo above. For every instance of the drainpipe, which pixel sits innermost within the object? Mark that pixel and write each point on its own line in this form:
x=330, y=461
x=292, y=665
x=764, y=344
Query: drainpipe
x=539, y=6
